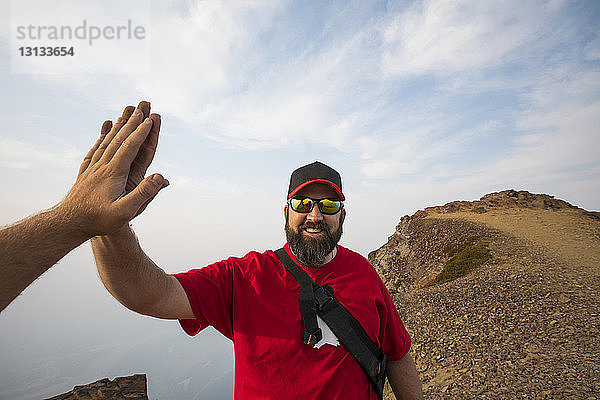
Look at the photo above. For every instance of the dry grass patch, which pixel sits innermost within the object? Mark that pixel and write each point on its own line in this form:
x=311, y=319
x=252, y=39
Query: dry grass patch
x=462, y=259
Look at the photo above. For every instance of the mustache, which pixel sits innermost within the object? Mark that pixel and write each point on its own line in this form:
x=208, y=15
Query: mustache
x=315, y=225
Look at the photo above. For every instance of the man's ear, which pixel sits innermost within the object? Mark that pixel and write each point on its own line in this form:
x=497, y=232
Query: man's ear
x=343, y=216
x=285, y=212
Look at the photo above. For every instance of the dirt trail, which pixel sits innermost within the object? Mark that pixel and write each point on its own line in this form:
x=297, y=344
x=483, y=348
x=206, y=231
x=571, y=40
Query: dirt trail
x=569, y=236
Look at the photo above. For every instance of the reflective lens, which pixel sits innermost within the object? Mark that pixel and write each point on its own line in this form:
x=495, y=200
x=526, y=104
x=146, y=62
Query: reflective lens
x=329, y=206
x=305, y=205
x=302, y=205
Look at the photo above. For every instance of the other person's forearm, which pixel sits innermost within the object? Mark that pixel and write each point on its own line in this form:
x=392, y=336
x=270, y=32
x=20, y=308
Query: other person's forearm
x=128, y=273
x=31, y=246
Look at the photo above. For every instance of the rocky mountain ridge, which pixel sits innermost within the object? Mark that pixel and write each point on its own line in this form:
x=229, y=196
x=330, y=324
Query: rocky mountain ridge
x=132, y=387
x=505, y=199
x=523, y=324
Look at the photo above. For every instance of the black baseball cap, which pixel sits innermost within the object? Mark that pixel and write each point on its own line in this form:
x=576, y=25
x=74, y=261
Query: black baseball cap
x=317, y=172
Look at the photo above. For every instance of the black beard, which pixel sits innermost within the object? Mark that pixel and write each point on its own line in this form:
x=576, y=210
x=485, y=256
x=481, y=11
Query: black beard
x=309, y=251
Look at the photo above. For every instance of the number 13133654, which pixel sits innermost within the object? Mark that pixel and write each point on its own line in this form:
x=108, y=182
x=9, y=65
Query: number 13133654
x=46, y=51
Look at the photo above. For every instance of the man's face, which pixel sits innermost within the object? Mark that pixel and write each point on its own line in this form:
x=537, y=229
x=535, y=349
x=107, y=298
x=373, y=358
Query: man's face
x=313, y=236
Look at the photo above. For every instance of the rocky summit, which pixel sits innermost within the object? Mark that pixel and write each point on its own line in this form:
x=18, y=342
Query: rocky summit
x=500, y=296
x=122, y=388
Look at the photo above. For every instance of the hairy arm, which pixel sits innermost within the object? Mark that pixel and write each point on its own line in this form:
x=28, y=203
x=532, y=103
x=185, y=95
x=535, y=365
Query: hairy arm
x=404, y=379
x=31, y=246
x=135, y=280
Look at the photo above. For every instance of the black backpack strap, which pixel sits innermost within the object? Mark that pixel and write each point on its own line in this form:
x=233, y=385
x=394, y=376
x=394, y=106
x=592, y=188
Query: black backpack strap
x=306, y=299
x=352, y=335
x=345, y=327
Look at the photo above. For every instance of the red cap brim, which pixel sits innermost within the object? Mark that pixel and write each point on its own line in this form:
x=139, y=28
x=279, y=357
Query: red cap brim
x=326, y=182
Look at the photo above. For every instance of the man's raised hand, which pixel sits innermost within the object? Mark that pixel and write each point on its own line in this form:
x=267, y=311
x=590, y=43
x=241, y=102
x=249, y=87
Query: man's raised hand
x=110, y=189
x=146, y=152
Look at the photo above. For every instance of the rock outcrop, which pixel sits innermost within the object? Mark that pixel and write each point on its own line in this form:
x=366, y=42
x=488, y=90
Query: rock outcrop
x=122, y=388
x=505, y=199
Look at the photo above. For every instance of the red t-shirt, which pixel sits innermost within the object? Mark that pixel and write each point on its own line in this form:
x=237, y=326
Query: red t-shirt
x=254, y=302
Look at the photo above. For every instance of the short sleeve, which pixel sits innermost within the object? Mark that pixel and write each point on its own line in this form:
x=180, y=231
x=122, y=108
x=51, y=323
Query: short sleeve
x=395, y=339
x=209, y=291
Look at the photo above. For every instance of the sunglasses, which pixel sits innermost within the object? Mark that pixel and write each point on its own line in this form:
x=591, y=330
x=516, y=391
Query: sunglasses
x=306, y=205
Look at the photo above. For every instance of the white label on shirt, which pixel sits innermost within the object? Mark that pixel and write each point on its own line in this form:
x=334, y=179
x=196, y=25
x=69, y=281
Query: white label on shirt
x=328, y=335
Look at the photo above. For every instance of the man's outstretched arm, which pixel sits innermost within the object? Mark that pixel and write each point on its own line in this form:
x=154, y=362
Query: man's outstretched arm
x=404, y=379
x=125, y=270
x=135, y=280
x=94, y=205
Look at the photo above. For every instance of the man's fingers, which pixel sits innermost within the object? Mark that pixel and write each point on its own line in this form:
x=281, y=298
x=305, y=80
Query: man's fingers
x=120, y=137
x=135, y=202
x=127, y=112
x=106, y=127
x=122, y=120
x=164, y=184
x=128, y=147
x=151, y=143
x=145, y=155
x=156, y=122
x=145, y=107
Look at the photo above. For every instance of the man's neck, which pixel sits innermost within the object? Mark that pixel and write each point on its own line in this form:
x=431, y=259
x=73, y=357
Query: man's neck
x=330, y=256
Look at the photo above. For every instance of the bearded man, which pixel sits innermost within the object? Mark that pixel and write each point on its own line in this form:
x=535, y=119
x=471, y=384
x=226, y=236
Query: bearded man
x=254, y=301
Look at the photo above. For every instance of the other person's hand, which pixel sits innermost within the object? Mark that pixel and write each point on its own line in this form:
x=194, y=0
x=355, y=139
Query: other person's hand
x=110, y=189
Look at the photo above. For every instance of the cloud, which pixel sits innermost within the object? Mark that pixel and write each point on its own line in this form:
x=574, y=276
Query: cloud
x=511, y=80
x=553, y=150
x=208, y=189
x=425, y=150
x=19, y=154
x=444, y=36
x=592, y=49
x=562, y=127
x=203, y=54
x=220, y=67
x=409, y=92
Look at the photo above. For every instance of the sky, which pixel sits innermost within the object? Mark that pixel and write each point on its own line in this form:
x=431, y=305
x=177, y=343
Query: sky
x=415, y=103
